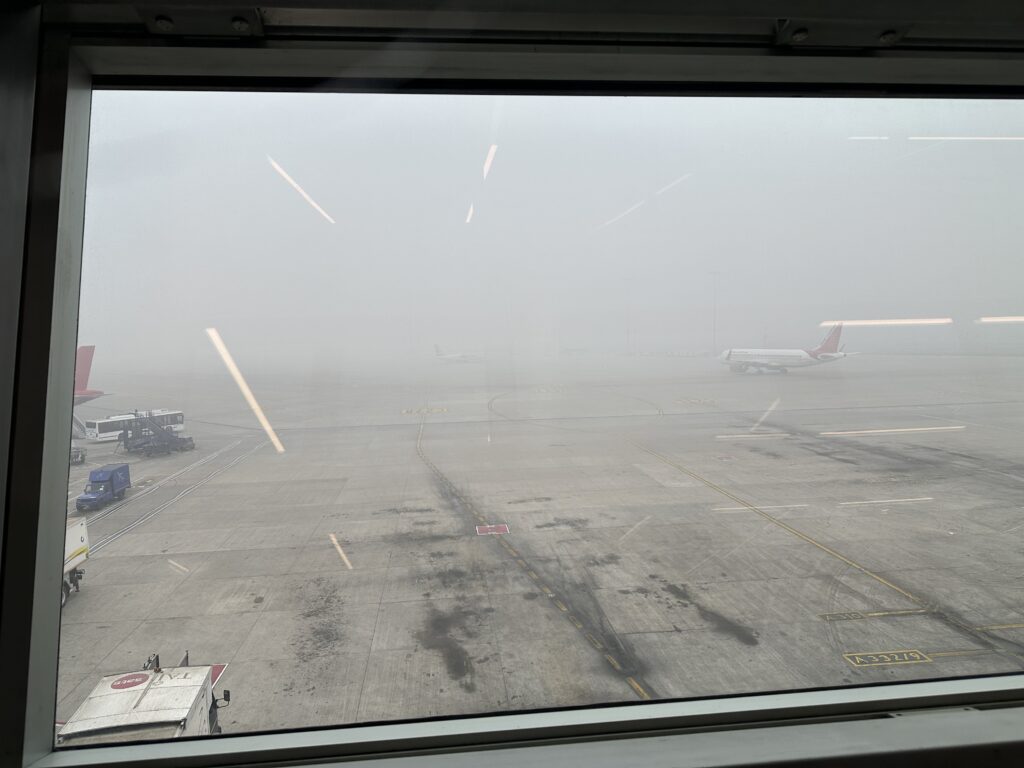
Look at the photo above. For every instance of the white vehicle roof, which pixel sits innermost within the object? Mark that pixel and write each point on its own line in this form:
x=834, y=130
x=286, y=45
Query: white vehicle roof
x=137, y=699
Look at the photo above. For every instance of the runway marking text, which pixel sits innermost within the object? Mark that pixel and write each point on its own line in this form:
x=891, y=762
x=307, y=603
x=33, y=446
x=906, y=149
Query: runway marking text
x=885, y=658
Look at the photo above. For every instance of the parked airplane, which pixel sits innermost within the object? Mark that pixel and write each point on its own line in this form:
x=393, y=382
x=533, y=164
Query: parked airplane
x=740, y=360
x=83, y=364
x=455, y=357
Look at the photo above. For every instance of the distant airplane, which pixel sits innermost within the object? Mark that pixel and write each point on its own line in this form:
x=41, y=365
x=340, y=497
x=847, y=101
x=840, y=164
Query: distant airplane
x=83, y=364
x=739, y=360
x=455, y=357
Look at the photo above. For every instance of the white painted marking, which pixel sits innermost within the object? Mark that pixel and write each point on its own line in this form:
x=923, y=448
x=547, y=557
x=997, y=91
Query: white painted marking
x=965, y=138
x=758, y=436
x=884, y=501
x=236, y=374
x=766, y=414
x=634, y=528
x=669, y=186
x=490, y=159
x=748, y=509
x=1002, y=319
x=901, y=429
x=341, y=552
x=469, y=216
x=622, y=215
x=891, y=321
x=867, y=138
x=178, y=566
x=299, y=189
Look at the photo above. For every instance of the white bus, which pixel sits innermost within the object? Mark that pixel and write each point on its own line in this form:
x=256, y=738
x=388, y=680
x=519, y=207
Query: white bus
x=108, y=429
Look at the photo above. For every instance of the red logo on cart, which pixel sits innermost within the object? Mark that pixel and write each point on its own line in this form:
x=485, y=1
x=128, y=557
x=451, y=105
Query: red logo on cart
x=129, y=681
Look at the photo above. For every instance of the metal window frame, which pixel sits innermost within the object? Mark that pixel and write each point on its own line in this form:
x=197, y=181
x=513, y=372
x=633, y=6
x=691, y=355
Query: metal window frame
x=39, y=346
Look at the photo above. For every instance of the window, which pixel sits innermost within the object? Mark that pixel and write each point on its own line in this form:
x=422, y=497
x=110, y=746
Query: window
x=558, y=405
x=509, y=403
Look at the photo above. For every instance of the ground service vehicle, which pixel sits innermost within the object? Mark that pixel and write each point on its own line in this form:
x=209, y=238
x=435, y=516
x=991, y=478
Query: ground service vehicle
x=149, y=435
x=77, y=455
x=154, y=703
x=106, y=484
x=110, y=428
x=76, y=551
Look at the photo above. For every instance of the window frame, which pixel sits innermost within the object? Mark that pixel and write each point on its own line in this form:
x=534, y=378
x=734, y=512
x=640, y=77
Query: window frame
x=73, y=61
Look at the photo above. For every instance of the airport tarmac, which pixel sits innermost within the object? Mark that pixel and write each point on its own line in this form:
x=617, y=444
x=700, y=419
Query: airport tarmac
x=673, y=531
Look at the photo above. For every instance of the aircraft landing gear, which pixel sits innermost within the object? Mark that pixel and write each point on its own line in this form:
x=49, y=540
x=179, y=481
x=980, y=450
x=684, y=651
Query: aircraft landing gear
x=738, y=368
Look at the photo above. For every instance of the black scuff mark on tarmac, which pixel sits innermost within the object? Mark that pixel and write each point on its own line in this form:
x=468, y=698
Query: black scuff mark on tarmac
x=764, y=452
x=535, y=500
x=404, y=511
x=452, y=577
x=412, y=538
x=988, y=464
x=438, y=634
x=834, y=455
x=322, y=612
x=609, y=559
x=577, y=597
x=576, y=523
x=719, y=622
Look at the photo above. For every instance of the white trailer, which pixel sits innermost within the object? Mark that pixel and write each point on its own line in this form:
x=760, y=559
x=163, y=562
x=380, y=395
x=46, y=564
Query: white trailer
x=154, y=703
x=76, y=552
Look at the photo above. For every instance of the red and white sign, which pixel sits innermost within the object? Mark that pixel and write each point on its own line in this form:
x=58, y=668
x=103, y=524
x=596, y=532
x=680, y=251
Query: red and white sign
x=487, y=530
x=216, y=671
x=130, y=680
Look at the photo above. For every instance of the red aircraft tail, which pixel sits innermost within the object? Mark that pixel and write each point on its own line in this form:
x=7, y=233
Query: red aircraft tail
x=830, y=343
x=83, y=365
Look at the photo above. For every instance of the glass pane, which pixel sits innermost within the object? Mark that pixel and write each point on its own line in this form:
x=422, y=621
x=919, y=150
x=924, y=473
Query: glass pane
x=505, y=403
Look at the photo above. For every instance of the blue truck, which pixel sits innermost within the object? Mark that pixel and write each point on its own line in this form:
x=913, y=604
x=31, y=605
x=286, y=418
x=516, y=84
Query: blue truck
x=105, y=484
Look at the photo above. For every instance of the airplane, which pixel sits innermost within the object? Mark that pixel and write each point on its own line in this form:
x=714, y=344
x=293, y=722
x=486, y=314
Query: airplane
x=780, y=360
x=455, y=357
x=83, y=364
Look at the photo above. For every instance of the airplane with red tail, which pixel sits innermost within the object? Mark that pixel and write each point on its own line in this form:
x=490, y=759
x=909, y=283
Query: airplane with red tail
x=780, y=360
x=83, y=365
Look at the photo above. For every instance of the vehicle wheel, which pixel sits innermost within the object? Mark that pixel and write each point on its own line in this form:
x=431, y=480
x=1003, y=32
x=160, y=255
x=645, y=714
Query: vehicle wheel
x=65, y=590
x=217, y=730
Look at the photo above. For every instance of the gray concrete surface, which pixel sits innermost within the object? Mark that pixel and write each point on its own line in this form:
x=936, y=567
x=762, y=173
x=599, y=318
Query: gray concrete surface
x=659, y=545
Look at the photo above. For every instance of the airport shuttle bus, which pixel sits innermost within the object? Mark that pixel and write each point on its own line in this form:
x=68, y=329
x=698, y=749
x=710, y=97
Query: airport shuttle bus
x=109, y=429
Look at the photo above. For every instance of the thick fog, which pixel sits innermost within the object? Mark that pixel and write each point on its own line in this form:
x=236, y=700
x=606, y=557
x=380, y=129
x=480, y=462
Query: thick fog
x=604, y=226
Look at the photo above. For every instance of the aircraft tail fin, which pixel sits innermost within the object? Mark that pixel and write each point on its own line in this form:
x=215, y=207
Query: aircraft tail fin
x=830, y=344
x=83, y=365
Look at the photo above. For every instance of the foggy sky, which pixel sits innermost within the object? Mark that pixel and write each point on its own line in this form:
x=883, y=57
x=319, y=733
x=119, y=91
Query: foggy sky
x=188, y=226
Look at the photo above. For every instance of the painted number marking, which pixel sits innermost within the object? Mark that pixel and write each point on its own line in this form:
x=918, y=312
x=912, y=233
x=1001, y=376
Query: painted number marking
x=884, y=658
x=842, y=616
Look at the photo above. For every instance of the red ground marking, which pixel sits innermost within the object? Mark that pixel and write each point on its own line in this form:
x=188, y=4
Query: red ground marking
x=484, y=530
